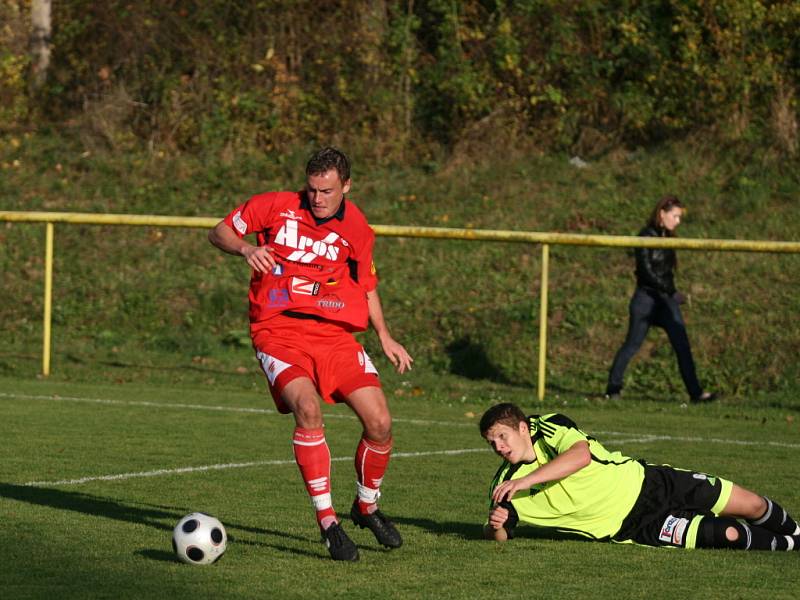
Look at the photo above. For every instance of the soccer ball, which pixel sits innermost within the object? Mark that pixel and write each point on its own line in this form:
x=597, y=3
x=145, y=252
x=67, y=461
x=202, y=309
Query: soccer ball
x=199, y=539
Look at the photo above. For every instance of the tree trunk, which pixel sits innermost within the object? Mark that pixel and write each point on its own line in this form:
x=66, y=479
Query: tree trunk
x=40, y=40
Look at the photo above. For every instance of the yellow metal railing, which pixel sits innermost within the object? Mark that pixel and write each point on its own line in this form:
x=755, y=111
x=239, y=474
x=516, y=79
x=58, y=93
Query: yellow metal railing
x=530, y=237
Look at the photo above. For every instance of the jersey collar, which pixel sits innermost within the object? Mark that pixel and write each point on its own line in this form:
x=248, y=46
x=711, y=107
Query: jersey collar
x=306, y=205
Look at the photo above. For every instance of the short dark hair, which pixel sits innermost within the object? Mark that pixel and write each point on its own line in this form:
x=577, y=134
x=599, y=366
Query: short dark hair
x=326, y=159
x=505, y=414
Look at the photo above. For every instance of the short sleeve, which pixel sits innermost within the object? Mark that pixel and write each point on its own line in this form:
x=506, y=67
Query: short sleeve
x=560, y=432
x=252, y=216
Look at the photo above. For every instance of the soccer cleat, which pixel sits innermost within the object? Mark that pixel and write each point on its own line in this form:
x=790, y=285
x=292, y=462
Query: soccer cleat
x=383, y=529
x=339, y=545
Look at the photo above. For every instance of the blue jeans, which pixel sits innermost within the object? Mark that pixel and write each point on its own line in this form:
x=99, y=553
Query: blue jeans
x=647, y=309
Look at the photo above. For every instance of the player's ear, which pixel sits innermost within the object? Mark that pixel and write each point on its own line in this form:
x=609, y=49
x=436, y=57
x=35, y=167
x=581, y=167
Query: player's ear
x=346, y=186
x=523, y=428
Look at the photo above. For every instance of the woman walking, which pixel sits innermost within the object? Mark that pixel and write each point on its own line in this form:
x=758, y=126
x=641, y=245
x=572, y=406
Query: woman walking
x=657, y=302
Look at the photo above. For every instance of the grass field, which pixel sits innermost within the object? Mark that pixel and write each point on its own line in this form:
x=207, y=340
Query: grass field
x=93, y=477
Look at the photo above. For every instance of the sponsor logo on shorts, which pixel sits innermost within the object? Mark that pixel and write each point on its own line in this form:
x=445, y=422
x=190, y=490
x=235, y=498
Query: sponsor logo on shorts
x=239, y=223
x=305, y=287
x=278, y=297
x=330, y=303
x=702, y=476
x=673, y=530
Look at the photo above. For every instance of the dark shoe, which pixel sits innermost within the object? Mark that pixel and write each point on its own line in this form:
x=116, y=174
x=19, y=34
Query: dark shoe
x=613, y=394
x=383, y=529
x=704, y=397
x=339, y=545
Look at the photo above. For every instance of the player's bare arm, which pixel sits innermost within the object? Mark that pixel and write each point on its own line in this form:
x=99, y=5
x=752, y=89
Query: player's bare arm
x=394, y=351
x=258, y=257
x=572, y=460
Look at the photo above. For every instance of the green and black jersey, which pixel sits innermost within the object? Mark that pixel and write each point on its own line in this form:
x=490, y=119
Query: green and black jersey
x=591, y=502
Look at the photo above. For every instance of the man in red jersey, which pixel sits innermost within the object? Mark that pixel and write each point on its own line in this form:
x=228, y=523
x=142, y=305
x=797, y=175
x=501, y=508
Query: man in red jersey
x=313, y=284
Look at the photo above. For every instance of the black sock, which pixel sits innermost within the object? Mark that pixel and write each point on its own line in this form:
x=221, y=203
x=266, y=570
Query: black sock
x=763, y=539
x=713, y=533
x=777, y=520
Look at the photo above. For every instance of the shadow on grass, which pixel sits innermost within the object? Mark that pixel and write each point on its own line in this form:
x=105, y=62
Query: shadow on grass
x=149, y=515
x=469, y=360
x=474, y=531
x=464, y=531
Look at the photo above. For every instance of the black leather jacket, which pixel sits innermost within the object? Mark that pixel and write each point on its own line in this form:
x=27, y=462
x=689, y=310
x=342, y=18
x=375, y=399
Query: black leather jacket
x=655, y=266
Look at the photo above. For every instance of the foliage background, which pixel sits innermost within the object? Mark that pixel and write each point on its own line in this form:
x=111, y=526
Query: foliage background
x=400, y=80
x=460, y=114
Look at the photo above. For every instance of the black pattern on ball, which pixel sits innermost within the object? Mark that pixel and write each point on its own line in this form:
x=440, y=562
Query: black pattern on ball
x=190, y=525
x=195, y=553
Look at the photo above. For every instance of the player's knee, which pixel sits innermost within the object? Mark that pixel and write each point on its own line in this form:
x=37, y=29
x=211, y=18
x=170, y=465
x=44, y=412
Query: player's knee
x=722, y=532
x=307, y=412
x=379, y=429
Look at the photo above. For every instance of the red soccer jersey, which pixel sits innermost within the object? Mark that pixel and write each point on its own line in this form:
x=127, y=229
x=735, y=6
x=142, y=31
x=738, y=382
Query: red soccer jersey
x=323, y=269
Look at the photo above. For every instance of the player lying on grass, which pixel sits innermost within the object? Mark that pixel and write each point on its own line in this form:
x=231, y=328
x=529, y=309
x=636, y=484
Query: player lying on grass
x=556, y=477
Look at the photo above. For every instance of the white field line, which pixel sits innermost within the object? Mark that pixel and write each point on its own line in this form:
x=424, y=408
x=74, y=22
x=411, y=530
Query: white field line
x=239, y=409
x=639, y=437
x=221, y=467
x=619, y=438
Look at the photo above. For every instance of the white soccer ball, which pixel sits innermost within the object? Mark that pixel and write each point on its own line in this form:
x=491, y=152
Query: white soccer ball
x=199, y=539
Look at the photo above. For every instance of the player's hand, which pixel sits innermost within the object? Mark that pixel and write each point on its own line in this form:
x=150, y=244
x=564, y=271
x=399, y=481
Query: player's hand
x=397, y=355
x=259, y=258
x=498, y=517
x=507, y=489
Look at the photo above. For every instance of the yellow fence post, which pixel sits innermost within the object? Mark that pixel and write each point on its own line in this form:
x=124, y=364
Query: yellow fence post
x=532, y=237
x=543, y=318
x=48, y=298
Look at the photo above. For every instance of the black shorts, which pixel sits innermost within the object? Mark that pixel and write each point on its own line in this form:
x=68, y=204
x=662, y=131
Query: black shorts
x=670, y=506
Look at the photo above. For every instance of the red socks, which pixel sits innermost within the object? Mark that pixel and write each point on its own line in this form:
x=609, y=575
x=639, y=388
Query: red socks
x=372, y=459
x=314, y=459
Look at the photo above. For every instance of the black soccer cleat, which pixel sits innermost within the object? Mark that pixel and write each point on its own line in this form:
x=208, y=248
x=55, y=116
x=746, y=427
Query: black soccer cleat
x=339, y=545
x=383, y=529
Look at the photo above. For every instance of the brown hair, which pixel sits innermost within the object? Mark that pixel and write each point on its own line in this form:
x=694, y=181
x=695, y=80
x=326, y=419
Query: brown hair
x=666, y=203
x=505, y=414
x=326, y=159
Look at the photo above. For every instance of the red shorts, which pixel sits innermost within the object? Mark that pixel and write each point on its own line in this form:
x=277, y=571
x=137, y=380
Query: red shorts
x=328, y=354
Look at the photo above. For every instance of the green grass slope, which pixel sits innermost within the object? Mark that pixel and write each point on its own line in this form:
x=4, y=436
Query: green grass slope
x=162, y=305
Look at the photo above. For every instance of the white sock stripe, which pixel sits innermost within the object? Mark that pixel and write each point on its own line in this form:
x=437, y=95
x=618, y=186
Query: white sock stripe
x=321, y=501
x=749, y=536
x=318, y=484
x=317, y=443
x=766, y=515
x=376, y=451
x=368, y=495
x=789, y=542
